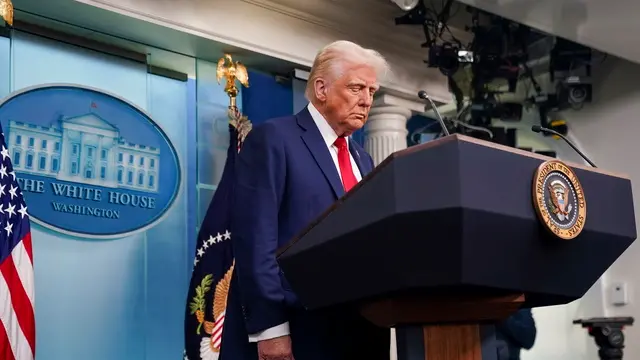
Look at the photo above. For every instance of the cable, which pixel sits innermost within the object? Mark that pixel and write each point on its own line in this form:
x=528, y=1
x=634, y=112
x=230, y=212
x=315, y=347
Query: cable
x=472, y=127
x=420, y=131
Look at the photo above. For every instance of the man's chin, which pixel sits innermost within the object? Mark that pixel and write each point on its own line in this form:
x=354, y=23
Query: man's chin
x=354, y=125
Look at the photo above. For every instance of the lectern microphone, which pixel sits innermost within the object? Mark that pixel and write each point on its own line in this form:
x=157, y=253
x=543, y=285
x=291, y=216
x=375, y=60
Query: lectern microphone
x=423, y=95
x=538, y=129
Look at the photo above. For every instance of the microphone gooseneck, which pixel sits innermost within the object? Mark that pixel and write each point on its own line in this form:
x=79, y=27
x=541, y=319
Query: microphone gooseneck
x=423, y=95
x=540, y=129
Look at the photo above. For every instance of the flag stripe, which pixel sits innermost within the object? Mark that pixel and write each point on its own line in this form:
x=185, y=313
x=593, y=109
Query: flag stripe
x=23, y=264
x=6, y=352
x=22, y=310
x=28, y=247
x=20, y=345
x=216, y=333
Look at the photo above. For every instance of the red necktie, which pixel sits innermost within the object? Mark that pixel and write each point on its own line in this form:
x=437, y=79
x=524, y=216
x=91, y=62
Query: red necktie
x=344, y=161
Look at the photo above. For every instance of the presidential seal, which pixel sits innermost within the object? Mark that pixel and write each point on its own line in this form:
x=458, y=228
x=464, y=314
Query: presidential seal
x=559, y=200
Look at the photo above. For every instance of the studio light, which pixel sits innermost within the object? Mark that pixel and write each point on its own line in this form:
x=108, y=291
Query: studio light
x=406, y=5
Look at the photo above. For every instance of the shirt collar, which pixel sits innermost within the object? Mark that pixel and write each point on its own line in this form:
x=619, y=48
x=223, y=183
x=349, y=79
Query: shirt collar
x=328, y=134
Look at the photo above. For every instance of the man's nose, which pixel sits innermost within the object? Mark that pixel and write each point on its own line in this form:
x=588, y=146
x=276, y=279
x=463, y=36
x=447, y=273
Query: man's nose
x=366, y=99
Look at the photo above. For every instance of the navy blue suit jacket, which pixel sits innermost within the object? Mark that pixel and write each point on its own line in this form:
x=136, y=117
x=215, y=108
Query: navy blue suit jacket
x=515, y=333
x=285, y=178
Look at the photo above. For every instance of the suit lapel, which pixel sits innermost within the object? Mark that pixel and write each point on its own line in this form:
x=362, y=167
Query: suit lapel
x=353, y=149
x=318, y=148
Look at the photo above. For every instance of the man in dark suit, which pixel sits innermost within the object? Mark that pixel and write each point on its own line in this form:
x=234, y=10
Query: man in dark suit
x=289, y=171
x=514, y=334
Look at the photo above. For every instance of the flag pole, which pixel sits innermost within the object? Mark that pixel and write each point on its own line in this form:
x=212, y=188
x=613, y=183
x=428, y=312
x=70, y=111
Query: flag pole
x=213, y=262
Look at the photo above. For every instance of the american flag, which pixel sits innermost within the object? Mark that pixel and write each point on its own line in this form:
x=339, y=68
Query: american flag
x=17, y=321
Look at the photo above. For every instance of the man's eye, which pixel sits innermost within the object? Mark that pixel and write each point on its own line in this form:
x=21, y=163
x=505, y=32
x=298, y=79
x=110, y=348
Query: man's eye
x=355, y=89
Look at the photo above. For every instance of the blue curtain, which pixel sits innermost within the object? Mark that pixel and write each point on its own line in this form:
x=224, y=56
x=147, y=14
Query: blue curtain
x=266, y=98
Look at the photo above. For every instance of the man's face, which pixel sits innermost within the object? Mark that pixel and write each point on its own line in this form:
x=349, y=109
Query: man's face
x=347, y=99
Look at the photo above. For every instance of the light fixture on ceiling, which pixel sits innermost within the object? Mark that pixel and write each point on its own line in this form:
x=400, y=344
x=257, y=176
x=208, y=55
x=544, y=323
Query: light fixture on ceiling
x=6, y=11
x=406, y=5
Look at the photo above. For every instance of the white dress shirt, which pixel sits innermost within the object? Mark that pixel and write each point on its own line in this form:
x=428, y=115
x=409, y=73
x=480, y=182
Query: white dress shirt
x=329, y=136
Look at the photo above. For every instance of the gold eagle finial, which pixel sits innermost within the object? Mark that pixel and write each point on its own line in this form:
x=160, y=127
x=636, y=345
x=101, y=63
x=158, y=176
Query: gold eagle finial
x=231, y=71
x=6, y=10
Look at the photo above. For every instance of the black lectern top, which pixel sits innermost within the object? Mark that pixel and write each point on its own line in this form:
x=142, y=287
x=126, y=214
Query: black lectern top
x=456, y=216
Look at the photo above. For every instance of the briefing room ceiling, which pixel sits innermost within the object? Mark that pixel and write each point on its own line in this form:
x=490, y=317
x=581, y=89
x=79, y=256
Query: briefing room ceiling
x=371, y=19
x=162, y=45
x=370, y=22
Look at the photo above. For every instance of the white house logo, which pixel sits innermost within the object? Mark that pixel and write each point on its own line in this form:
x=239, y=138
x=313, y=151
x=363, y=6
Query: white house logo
x=89, y=164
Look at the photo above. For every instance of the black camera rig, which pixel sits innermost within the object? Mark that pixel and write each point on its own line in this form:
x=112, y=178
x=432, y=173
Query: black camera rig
x=608, y=335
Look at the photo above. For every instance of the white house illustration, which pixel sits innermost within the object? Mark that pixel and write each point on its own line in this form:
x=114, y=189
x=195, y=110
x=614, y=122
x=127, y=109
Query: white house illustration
x=84, y=149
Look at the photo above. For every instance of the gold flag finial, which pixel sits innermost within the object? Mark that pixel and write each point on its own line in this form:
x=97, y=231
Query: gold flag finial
x=6, y=10
x=231, y=71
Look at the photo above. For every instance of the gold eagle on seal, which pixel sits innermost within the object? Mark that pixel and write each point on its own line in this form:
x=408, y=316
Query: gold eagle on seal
x=559, y=204
x=210, y=346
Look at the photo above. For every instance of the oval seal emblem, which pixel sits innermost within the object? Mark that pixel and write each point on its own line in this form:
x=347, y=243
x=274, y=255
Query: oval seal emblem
x=89, y=163
x=559, y=200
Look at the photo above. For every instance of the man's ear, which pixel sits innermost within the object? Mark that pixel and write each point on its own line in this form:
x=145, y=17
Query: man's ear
x=320, y=87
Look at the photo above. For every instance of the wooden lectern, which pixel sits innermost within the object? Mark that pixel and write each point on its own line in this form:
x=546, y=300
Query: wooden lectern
x=442, y=240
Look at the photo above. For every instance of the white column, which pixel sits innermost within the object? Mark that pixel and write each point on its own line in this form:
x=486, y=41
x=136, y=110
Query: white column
x=386, y=128
x=385, y=133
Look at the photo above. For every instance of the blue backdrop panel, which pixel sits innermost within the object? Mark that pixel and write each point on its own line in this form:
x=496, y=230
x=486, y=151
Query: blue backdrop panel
x=5, y=66
x=166, y=245
x=299, y=100
x=266, y=98
x=191, y=172
x=118, y=298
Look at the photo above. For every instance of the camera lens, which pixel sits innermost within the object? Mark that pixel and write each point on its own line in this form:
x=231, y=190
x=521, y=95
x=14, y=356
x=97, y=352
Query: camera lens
x=577, y=94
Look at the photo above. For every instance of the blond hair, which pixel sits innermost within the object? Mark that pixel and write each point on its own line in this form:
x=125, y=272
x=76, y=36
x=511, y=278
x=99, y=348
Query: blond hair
x=331, y=60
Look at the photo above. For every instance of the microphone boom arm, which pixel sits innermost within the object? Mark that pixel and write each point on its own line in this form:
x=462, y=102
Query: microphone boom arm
x=423, y=95
x=538, y=128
